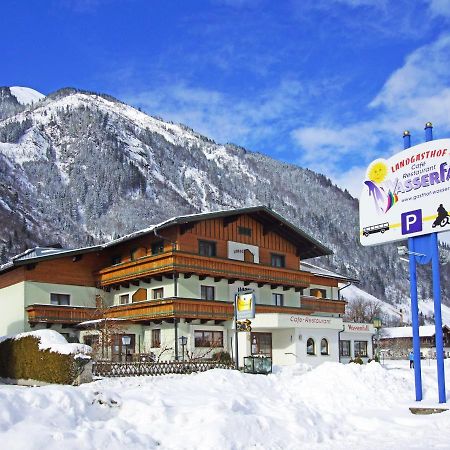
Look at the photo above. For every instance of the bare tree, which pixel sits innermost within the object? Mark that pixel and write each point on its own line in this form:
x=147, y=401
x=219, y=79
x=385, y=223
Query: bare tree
x=363, y=310
x=106, y=328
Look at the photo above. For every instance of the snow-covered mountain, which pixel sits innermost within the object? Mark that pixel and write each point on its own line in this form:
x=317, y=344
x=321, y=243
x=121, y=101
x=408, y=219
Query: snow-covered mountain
x=78, y=167
x=26, y=95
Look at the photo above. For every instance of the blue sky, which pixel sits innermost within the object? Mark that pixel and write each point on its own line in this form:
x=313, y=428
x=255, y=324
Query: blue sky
x=325, y=84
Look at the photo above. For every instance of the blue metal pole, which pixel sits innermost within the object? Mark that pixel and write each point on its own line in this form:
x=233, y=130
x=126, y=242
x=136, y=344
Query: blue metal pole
x=437, y=298
x=415, y=320
x=414, y=301
x=438, y=319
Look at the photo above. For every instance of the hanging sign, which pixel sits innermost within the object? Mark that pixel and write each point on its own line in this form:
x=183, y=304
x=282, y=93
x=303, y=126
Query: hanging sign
x=406, y=195
x=245, y=305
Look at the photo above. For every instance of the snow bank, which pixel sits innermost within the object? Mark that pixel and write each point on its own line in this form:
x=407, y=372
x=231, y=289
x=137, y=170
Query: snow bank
x=53, y=341
x=332, y=406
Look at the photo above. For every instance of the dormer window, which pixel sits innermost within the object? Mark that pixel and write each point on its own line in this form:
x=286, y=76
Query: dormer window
x=245, y=231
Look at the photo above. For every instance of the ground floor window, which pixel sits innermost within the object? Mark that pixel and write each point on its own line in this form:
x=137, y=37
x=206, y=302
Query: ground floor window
x=261, y=344
x=310, y=347
x=324, y=349
x=360, y=348
x=344, y=348
x=204, y=338
x=156, y=338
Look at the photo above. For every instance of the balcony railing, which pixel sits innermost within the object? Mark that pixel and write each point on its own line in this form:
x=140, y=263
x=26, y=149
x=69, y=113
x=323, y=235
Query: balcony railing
x=171, y=308
x=43, y=313
x=182, y=262
x=325, y=305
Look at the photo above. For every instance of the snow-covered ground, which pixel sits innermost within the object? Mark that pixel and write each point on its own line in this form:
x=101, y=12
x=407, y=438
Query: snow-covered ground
x=333, y=406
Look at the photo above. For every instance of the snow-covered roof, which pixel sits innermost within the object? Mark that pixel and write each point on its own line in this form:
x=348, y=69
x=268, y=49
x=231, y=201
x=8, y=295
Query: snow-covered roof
x=406, y=332
x=316, y=270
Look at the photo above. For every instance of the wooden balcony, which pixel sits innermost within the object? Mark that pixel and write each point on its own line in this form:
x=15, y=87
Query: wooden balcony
x=182, y=262
x=41, y=313
x=173, y=308
x=324, y=305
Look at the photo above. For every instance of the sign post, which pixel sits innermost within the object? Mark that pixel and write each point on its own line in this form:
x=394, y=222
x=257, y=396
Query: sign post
x=244, y=309
x=404, y=197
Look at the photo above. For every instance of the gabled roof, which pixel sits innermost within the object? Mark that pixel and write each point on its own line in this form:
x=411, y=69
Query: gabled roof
x=320, y=271
x=307, y=246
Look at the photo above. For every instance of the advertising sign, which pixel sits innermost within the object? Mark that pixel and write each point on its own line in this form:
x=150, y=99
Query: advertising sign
x=406, y=195
x=243, y=252
x=245, y=305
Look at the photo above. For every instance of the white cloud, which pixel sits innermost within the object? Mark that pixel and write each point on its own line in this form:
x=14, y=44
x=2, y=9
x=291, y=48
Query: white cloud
x=223, y=117
x=416, y=93
x=440, y=7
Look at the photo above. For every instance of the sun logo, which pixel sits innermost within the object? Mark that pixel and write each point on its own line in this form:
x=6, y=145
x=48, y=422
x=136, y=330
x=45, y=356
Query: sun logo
x=377, y=171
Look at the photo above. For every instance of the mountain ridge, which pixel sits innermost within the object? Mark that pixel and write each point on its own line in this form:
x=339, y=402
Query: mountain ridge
x=110, y=169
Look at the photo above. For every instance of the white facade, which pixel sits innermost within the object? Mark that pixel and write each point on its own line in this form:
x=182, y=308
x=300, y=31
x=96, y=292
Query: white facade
x=354, y=334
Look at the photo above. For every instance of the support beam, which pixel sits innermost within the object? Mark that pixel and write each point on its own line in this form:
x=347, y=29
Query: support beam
x=135, y=282
x=187, y=275
x=201, y=277
x=274, y=286
x=286, y=288
x=246, y=283
x=231, y=280
x=217, y=279
x=260, y=285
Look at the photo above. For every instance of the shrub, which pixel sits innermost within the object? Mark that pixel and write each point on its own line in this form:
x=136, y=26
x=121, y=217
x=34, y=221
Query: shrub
x=21, y=359
x=222, y=357
x=357, y=360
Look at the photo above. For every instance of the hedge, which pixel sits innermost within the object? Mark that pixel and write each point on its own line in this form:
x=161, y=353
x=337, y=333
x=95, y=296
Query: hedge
x=21, y=359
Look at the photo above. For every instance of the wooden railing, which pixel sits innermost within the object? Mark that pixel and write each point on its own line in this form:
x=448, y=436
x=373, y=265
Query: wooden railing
x=322, y=305
x=171, y=308
x=38, y=313
x=182, y=262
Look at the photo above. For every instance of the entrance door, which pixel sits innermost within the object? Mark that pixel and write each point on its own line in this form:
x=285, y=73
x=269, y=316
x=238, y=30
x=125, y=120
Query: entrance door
x=261, y=344
x=121, y=350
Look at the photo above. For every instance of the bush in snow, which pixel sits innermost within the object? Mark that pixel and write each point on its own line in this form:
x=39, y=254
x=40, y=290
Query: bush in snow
x=43, y=356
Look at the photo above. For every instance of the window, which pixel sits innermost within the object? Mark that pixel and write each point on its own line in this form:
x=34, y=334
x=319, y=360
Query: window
x=116, y=260
x=344, y=348
x=91, y=339
x=207, y=292
x=157, y=293
x=277, y=260
x=60, y=299
x=124, y=299
x=208, y=338
x=157, y=247
x=277, y=299
x=324, y=350
x=360, y=348
x=156, y=338
x=206, y=248
x=245, y=231
x=310, y=347
x=318, y=293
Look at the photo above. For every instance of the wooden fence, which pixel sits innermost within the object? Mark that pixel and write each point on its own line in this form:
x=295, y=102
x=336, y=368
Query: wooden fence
x=131, y=369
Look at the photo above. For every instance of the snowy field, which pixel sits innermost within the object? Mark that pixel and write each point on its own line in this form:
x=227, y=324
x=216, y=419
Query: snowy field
x=332, y=407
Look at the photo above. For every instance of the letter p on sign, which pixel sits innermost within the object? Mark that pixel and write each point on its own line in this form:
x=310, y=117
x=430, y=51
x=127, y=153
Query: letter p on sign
x=412, y=221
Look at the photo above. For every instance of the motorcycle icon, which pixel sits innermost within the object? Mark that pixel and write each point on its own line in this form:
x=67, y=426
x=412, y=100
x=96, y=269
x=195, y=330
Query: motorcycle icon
x=443, y=217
